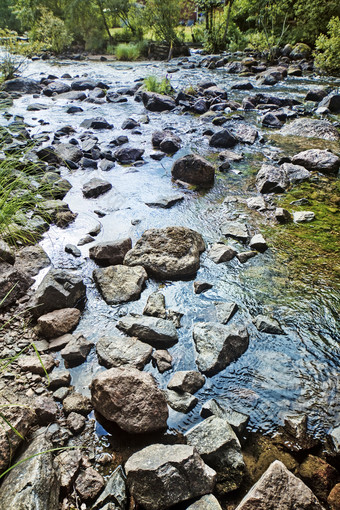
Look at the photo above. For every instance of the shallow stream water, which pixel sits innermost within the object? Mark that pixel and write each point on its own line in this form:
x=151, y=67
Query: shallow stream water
x=294, y=373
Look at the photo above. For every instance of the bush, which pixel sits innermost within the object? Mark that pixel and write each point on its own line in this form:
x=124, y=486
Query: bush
x=327, y=54
x=153, y=84
x=51, y=31
x=127, y=51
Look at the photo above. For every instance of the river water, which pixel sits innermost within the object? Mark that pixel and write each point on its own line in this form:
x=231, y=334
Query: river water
x=293, y=373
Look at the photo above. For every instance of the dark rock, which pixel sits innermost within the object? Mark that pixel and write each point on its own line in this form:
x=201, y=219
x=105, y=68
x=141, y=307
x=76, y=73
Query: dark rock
x=188, y=381
x=200, y=287
x=318, y=474
x=68, y=463
x=163, y=360
x=130, y=124
x=114, y=496
x=128, y=155
x=6, y=253
x=271, y=120
x=110, y=253
x=76, y=422
x=76, y=351
x=96, y=123
x=157, y=102
x=193, y=169
x=315, y=95
x=282, y=215
x=13, y=284
x=257, y=242
x=166, y=202
x=296, y=173
x=23, y=85
x=71, y=248
x=56, y=87
x=96, y=187
x=242, y=85
x=223, y=139
x=46, y=410
x=58, y=322
x=244, y=256
x=89, y=484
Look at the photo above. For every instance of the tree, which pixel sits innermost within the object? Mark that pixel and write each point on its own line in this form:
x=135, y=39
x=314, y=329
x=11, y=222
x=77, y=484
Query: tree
x=163, y=16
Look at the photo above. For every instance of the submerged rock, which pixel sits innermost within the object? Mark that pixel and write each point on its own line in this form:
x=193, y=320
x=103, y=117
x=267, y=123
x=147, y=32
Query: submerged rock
x=181, y=402
x=268, y=325
x=131, y=399
x=238, y=421
x=221, y=253
x=160, y=476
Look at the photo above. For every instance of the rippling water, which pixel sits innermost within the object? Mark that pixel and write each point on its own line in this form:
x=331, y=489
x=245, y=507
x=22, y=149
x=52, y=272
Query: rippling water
x=296, y=372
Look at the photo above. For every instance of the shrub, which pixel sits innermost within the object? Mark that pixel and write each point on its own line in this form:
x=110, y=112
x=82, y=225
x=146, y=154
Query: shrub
x=327, y=54
x=153, y=84
x=51, y=31
x=127, y=51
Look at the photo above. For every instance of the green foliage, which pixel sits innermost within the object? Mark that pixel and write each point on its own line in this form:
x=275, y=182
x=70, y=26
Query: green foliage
x=153, y=84
x=162, y=17
x=327, y=55
x=51, y=31
x=127, y=51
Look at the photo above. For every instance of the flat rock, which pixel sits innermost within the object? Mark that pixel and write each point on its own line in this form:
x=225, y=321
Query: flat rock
x=131, y=399
x=316, y=159
x=268, y=325
x=221, y=253
x=236, y=230
x=31, y=363
x=96, y=187
x=279, y=488
x=160, y=476
x=119, y=284
x=117, y=351
x=114, y=496
x=193, y=169
x=110, y=253
x=58, y=322
x=172, y=252
x=225, y=311
x=152, y=330
x=296, y=173
x=76, y=351
x=311, y=128
x=165, y=202
x=96, y=123
x=218, y=345
x=238, y=421
x=180, y=402
x=187, y=381
x=23, y=85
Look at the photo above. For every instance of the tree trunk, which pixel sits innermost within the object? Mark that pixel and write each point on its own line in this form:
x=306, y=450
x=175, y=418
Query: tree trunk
x=230, y=2
x=100, y=5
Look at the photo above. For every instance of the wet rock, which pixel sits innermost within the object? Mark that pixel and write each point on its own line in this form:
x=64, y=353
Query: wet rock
x=221, y=253
x=117, y=351
x=193, y=169
x=180, y=402
x=68, y=463
x=77, y=403
x=31, y=363
x=238, y=421
x=59, y=343
x=244, y=256
x=85, y=240
x=159, y=476
x=58, y=322
x=110, y=253
x=315, y=95
x=334, y=498
x=258, y=242
x=119, y=284
x=73, y=250
x=157, y=102
x=114, y=496
x=155, y=306
x=187, y=381
x=96, y=123
x=271, y=179
x=267, y=325
x=76, y=351
x=89, y=484
x=105, y=165
x=230, y=156
x=303, y=216
x=61, y=393
x=218, y=345
x=279, y=488
x=152, y=330
x=225, y=311
x=295, y=173
x=271, y=76
x=271, y=120
x=219, y=447
x=200, y=106
x=74, y=109
x=59, y=289
x=172, y=252
x=334, y=436
x=73, y=96
x=130, y=124
x=86, y=84
x=318, y=475
x=128, y=155
x=331, y=102
x=244, y=133
x=75, y=422
x=282, y=215
x=200, y=287
x=67, y=152
x=311, y=128
x=317, y=159
x=236, y=230
x=223, y=139
x=25, y=486
x=165, y=202
x=242, y=85
x=131, y=399
x=23, y=85
x=59, y=378
x=56, y=87
x=163, y=360
x=296, y=427
x=13, y=284
x=96, y=187
x=6, y=253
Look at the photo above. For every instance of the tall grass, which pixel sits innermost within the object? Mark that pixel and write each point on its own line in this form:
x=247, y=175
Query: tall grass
x=153, y=84
x=127, y=51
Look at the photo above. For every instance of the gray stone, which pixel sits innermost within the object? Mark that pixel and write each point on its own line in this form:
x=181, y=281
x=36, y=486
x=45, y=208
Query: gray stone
x=114, y=495
x=170, y=145
x=279, y=488
x=31, y=363
x=68, y=463
x=31, y=259
x=155, y=306
x=163, y=360
x=271, y=120
x=230, y=156
x=221, y=253
x=131, y=399
x=76, y=351
x=303, y=216
x=160, y=476
x=258, y=242
x=73, y=250
x=116, y=351
x=77, y=403
x=219, y=447
x=23, y=85
x=96, y=123
x=165, y=202
x=200, y=287
x=110, y=253
x=271, y=179
x=61, y=393
x=296, y=426
x=238, y=421
x=334, y=435
x=318, y=159
x=268, y=325
x=89, y=484
x=223, y=139
x=85, y=240
x=311, y=128
x=152, y=330
x=96, y=187
x=218, y=345
x=243, y=133
x=257, y=203
x=13, y=284
x=128, y=155
x=244, y=256
x=208, y=502
x=236, y=230
x=282, y=215
x=225, y=311
x=25, y=486
x=59, y=343
x=6, y=253
x=172, y=252
x=119, y=284
x=59, y=378
x=59, y=289
x=296, y=173
x=187, y=381
x=157, y=102
x=68, y=152
x=180, y=402
x=193, y=169
x=76, y=422
x=332, y=102
x=56, y=87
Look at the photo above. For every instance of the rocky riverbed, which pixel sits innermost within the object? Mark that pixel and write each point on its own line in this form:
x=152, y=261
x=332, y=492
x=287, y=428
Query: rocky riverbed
x=183, y=295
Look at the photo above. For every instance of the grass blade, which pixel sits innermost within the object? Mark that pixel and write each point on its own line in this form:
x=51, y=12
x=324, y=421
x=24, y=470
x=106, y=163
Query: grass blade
x=11, y=426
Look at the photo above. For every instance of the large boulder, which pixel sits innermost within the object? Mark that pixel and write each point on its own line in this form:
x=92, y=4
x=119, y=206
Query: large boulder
x=157, y=332
x=59, y=289
x=311, y=128
x=218, y=345
x=300, y=51
x=119, y=284
x=193, y=169
x=172, y=252
x=160, y=476
x=158, y=102
x=318, y=159
x=118, y=351
x=128, y=155
x=13, y=284
x=279, y=488
x=22, y=85
x=25, y=487
x=271, y=179
x=110, y=253
x=296, y=173
x=131, y=399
